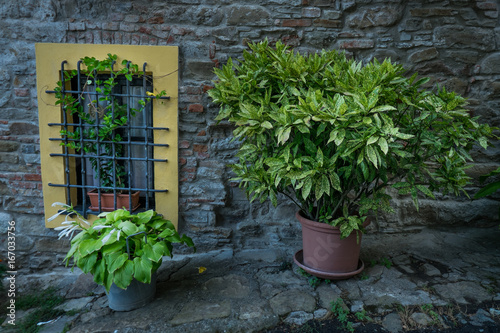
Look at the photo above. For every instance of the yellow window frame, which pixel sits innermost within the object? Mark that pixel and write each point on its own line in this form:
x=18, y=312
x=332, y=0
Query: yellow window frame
x=162, y=62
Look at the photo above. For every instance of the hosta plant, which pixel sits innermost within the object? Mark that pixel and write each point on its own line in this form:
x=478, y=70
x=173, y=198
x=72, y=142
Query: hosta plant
x=333, y=134
x=120, y=246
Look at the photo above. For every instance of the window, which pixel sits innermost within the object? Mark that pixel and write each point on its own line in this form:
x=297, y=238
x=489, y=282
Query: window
x=147, y=145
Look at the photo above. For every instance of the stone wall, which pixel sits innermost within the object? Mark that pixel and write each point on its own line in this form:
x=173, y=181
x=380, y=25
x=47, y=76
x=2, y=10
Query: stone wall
x=456, y=43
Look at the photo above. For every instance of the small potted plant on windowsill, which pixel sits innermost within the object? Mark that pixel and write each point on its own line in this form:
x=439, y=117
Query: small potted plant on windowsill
x=96, y=131
x=332, y=135
x=122, y=251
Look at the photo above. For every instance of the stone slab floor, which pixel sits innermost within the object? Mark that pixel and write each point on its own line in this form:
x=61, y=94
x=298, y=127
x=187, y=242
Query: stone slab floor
x=438, y=278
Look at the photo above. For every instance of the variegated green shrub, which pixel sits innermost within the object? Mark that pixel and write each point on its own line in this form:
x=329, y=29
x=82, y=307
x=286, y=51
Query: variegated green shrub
x=332, y=134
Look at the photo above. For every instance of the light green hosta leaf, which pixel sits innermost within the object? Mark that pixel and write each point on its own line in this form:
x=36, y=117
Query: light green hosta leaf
x=164, y=248
x=87, y=263
x=71, y=252
x=117, y=215
x=108, y=280
x=166, y=233
x=115, y=261
x=124, y=275
x=128, y=228
x=115, y=247
x=157, y=224
x=99, y=272
x=144, y=217
x=88, y=246
x=142, y=269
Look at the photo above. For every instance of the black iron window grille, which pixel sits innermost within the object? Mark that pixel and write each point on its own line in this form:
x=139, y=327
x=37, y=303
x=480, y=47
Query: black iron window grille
x=128, y=156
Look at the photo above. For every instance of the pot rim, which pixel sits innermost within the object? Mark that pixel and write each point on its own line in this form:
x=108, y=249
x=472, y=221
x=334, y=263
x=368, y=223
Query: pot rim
x=320, y=226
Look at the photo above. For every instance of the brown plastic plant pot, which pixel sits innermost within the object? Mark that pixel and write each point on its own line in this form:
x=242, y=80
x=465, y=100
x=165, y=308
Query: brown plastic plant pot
x=325, y=251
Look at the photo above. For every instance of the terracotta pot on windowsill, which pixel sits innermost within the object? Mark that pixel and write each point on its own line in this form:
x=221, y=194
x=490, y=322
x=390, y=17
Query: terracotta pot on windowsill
x=107, y=201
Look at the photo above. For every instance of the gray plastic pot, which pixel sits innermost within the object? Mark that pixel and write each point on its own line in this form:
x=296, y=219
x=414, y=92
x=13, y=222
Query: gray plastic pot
x=136, y=295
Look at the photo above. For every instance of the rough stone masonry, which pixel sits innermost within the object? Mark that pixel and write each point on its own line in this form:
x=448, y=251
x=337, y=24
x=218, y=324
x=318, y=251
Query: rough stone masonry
x=455, y=42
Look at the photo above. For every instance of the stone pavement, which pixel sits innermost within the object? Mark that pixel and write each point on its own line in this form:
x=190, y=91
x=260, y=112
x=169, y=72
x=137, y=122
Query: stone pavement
x=254, y=290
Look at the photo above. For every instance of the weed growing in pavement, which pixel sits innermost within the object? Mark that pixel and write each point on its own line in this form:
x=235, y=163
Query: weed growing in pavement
x=362, y=316
x=429, y=310
x=313, y=280
x=386, y=262
x=285, y=265
x=441, y=316
x=382, y=262
x=428, y=289
x=306, y=328
x=43, y=303
x=342, y=314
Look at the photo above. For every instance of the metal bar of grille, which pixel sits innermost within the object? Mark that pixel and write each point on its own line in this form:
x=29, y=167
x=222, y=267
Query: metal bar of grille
x=65, y=126
x=98, y=144
x=146, y=148
x=104, y=157
x=115, y=94
x=132, y=143
x=83, y=164
x=133, y=127
x=113, y=147
x=129, y=140
x=106, y=187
